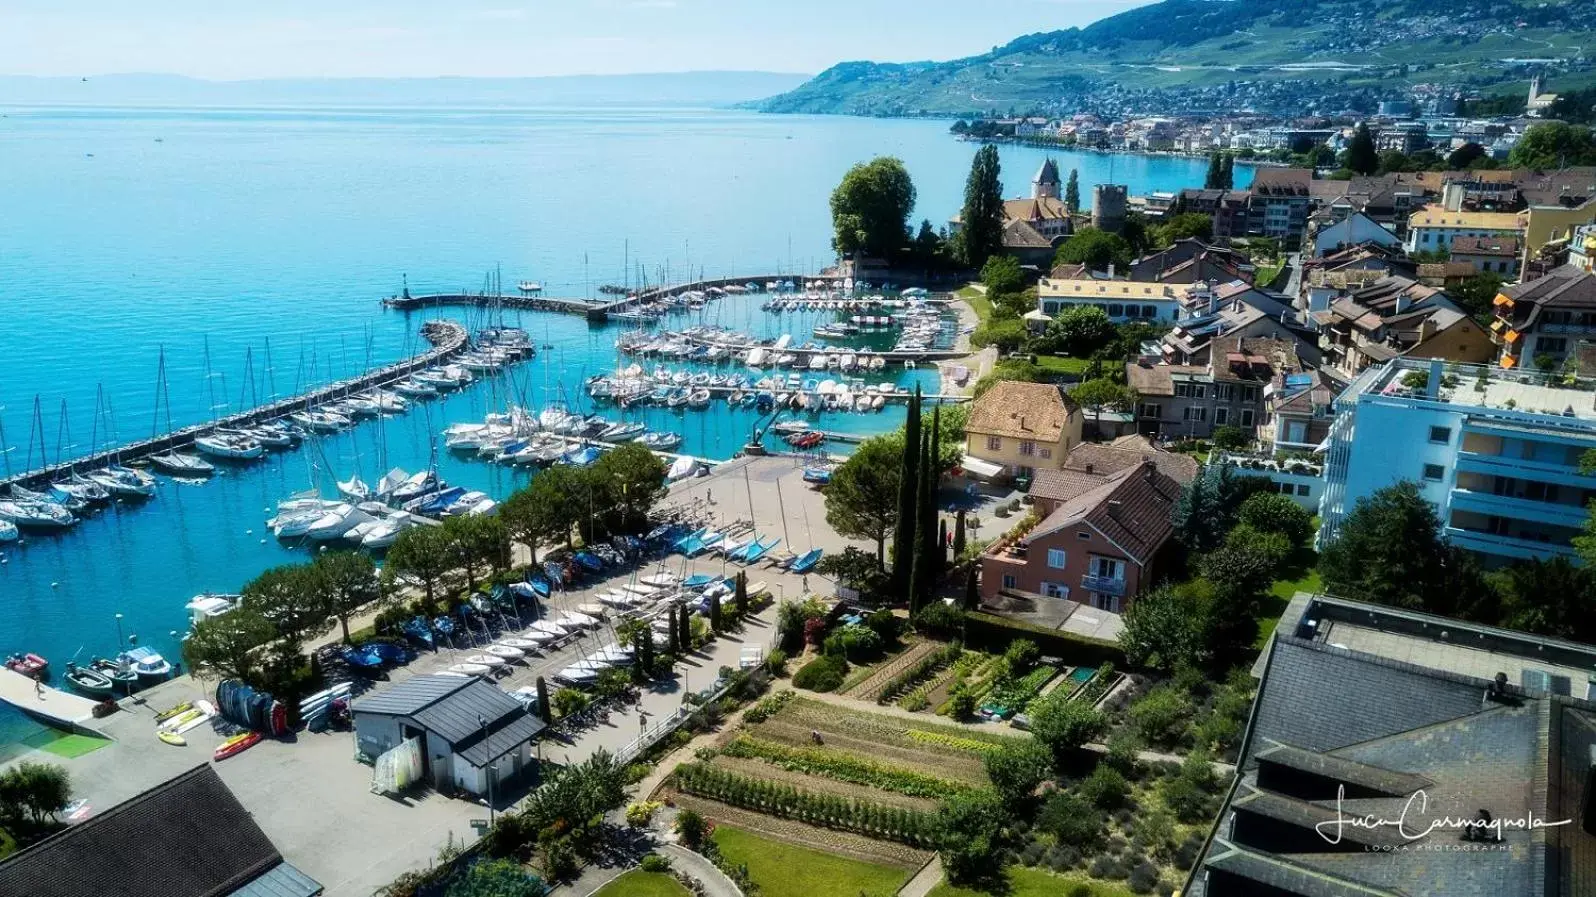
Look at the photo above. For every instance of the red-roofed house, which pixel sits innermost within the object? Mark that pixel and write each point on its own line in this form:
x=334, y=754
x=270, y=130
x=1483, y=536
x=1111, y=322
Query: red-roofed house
x=1097, y=544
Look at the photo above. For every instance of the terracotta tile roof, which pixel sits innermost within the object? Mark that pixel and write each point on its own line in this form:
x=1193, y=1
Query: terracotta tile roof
x=1438, y=217
x=1043, y=209
x=1130, y=508
x=1070, y=272
x=1034, y=411
x=1502, y=246
x=1107, y=459
x=1253, y=359
x=1021, y=235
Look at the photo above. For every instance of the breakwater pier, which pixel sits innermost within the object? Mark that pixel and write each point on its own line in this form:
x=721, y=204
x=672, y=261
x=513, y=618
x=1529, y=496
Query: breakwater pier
x=447, y=339
x=592, y=309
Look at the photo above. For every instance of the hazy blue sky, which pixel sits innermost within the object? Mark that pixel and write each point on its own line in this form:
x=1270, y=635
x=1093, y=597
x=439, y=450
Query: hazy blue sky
x=229, y=39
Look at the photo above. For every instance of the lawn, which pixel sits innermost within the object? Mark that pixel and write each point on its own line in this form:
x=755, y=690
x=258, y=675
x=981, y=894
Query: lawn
x=1303, y=577
x=783, y=870
x=1055, y=364
x=638, y=883
x=979, y=304
x=1027, y=882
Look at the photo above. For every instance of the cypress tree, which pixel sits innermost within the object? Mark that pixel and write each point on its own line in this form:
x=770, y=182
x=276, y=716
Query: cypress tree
x=1072, y=192
x=685, y=636
x=674, y=634
x=1215, y=179
x=922, y=571
x=972, y=589
x=959, y=535
x=714, y=612
x=908, y=492
x=930, y=479
x=544, y=709
x=942, y=545
x=1229, y=181
x=740, y=597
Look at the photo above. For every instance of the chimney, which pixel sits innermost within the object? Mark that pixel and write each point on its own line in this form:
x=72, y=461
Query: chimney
x=1110, y=270
x=1088, y=468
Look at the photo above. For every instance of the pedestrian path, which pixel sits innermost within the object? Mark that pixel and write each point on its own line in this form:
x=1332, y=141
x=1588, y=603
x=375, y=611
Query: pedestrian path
x=51, y=704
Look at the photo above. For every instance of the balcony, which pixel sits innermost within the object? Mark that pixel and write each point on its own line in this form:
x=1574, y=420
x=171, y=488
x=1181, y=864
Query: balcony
x=1506, y=546
x=1519, y=469
x=1514, y=508
x=1104, y=585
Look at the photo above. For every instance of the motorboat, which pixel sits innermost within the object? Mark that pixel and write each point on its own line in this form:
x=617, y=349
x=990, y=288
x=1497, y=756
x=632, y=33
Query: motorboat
x=28, y=665
x=120, y=673
x=88, y=680
x=148, y=664
x=182, y=464
x=661, y=442
x=232, y=448
x=415, y=486
x=203, y=607
x=37, y=515
x=337, y=521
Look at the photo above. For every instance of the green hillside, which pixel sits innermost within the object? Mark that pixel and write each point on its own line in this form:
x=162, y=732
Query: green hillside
x=1241, y=53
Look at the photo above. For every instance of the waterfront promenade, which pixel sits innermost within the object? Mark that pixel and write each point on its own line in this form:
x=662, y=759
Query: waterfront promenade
x=448, y=339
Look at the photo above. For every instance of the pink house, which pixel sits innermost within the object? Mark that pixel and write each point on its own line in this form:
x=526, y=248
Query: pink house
x=1097, y=542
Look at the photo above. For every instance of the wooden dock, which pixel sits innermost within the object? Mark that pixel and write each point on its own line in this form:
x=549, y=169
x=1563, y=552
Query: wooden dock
x=54, y=706
x=449, y=338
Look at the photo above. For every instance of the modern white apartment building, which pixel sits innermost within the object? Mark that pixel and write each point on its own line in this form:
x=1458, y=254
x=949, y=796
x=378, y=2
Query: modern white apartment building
x=1496, y=451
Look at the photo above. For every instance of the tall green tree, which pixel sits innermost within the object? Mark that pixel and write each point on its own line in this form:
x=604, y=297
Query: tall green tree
x=1102, y=394
x=958, y=535
x=225, y=646
x=1096, y=249
x=1063, y=726
x=422, y=553
x=630, y=480
x=291, y=598
x=908, y=496
x=1554, y=145
x=922, y=572
x=1072, y=192
x=1361, y=157
x=981, y=218
x=1390, y=550
x=1215, y=179
x=349, y=579
x=973, y=828
x=862, y=497
x=1165, y=629
x=870, y=209
x=1002, y=275
x=1228, y=179
x=740, y=594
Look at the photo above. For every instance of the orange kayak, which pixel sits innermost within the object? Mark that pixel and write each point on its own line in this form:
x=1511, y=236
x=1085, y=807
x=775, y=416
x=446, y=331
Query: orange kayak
x=237, y=745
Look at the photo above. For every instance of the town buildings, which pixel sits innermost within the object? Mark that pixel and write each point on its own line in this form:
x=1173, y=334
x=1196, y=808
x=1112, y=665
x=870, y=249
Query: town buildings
x=1034, y=226
x=1433, y=229
x=1015, y=429
x=1539, y=323
x=1188, y=401
x=1396, y=316
x=1489, y=255
x=1121, y=300
x=1497, y=452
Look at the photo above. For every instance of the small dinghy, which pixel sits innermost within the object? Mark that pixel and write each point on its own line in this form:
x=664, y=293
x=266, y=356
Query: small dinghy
x=88, y=680
x=515, y=641
x=487, y=660
x=469, y=669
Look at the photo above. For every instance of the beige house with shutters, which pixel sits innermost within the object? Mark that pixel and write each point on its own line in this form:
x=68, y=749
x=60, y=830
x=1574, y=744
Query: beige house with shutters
x=1018, y=428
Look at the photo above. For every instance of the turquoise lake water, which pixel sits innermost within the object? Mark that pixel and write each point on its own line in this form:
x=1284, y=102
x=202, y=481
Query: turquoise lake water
x=259, y=233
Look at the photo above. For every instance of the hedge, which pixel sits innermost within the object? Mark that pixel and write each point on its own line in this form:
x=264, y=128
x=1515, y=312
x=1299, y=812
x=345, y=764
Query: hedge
x=993, y=633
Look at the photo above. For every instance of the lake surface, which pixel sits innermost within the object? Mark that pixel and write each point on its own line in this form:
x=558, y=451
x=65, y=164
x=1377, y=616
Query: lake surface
x=252, y=246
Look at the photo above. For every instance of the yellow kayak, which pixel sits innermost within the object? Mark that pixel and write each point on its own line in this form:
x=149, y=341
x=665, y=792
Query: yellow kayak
x=172, y=738
x=181, y=720
x=165, y=715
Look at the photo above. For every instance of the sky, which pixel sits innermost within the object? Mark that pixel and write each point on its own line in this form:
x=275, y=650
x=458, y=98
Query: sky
x=243, y=39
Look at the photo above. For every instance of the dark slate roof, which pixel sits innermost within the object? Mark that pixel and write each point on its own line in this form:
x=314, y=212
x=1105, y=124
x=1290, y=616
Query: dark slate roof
x=1302, y=814
x=187, y=837
x=458, y=716
x=1391, y=697
x=1277, y=872
x=410, y=696
x=1386, y=781
x=504, y=736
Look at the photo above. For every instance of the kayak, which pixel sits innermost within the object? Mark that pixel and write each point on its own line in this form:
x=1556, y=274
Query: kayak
x=237, y=745
x=174, y=723
x=165, y=715
x=172, y=738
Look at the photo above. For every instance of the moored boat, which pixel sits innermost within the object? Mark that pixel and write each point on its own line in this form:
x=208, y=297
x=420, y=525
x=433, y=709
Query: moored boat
x=88, y=680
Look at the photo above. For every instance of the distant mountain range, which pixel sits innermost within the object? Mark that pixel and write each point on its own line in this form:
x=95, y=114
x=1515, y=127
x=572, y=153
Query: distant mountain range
x=665, y=89
x=1198, y=49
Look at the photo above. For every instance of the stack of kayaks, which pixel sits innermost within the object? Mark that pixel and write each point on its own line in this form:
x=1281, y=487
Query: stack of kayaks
x=247, y=707
x=171, y=724
x=314, y=710
x=237, y=745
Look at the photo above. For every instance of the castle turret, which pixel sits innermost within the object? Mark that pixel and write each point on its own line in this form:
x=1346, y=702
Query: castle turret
x=1046, y=183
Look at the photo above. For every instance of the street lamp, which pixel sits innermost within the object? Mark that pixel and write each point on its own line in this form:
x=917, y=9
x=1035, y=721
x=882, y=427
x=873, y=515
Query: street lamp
x=119, y=644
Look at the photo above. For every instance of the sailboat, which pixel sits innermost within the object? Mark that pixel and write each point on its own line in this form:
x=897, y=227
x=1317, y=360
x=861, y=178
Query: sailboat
x=172, y=461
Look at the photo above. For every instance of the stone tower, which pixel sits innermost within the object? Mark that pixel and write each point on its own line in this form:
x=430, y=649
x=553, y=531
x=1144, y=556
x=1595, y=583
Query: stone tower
x=1108, y=207
x=1046, y=183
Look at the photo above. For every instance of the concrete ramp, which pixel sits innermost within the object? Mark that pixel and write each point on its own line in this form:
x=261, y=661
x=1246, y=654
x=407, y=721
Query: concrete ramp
x=50, y=704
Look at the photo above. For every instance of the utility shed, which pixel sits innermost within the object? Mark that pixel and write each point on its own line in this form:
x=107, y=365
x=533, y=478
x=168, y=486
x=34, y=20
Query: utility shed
x=186, y=837
x=471, y=732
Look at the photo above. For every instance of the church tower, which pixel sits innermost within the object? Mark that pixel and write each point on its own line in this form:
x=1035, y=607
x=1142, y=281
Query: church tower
x=1046, y=184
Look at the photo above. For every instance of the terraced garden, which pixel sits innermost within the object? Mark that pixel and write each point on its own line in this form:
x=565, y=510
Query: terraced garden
x=869, y=788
